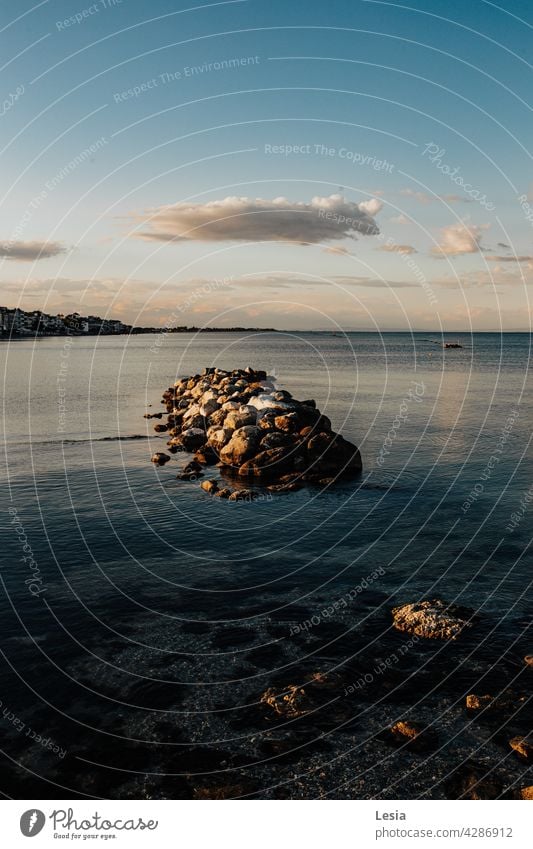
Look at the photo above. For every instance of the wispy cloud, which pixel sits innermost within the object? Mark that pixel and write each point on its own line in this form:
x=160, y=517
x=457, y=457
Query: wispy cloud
x=509, y=258
x=324, y=219
x=425, y=198
x=375, y=282
x=400, y=249
x=340, y=250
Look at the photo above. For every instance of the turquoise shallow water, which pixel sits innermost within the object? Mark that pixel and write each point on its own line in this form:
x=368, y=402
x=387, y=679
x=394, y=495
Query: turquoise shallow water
x=159, y=615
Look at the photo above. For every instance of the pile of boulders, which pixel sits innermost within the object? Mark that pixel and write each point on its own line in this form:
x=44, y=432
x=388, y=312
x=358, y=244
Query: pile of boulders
x=254, y=432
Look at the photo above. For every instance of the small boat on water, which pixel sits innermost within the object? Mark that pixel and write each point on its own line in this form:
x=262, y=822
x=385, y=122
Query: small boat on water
x=452, y=345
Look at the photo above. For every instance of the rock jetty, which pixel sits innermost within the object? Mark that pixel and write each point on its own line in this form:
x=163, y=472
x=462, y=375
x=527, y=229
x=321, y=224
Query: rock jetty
x=255, y=433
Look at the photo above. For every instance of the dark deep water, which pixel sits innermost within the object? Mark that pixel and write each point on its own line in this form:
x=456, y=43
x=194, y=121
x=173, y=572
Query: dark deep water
x=161, y=615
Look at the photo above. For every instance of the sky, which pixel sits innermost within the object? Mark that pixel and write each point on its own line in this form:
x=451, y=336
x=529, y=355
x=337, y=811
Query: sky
x=351, y=165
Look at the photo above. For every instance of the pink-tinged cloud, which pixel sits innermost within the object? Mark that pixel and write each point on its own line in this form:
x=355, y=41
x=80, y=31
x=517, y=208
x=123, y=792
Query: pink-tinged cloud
x=324, y=219
x=425, y=198
x=399, y=249
x=372, y=206
x=458, y=239
x=30, y=251
x=521, y=258
x=338, y=250
x=421, y=197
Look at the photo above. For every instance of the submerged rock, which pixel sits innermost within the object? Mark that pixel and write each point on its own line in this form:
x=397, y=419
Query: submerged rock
x=243, y=495
x=474, y=702
x=413, y=735
x=471, y=781
x=284, y=487
x=525, y=792
x=433, y=619
x=506, y=703
x=522, y=747
x=225, y=492
x=290, y=702
x=296, y=700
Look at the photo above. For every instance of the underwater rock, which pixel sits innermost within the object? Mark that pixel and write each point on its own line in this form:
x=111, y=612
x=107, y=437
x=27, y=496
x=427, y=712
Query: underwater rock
x=432, y=619
x=522, y=747
x=415, y=736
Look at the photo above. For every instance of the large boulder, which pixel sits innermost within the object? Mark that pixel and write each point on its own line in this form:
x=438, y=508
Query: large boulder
x=240, y=418
x=330, y=454
x=217, y=418
x=268, y=465
x=271, y=401
x=193, y=438
x=218, y=437
x=266, y=421
x=241, y=447
x=274, y=439
x=209, y=407
x=289, y=422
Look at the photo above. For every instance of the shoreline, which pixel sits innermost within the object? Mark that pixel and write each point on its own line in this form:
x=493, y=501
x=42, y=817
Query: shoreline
x=154, y=331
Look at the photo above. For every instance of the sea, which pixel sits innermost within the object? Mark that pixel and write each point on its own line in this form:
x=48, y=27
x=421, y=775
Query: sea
x=160, y=643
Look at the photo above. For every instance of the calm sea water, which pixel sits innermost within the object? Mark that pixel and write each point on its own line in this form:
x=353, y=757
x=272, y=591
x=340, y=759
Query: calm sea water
x=158, y=615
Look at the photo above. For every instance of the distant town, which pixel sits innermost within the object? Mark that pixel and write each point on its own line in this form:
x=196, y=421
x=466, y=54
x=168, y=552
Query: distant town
x=15, y=323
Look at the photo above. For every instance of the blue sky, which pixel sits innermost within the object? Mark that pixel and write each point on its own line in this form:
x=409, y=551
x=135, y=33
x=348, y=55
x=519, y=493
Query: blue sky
x=126, y=127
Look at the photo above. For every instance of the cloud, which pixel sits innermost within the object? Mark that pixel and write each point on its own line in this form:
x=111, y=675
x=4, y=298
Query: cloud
x=276, y=281
x=400, y=249
x=459, y=239
x=421, y=197
x=400, y=219
x=497, y=258
x=256, y=220
x=372, y=206
x=340, y=250
x=455, y=199
x=30, y=251
x=374, y=282
x=425, y=198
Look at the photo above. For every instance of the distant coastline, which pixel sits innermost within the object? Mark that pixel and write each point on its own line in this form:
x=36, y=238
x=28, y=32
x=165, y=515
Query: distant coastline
x=21, y=324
